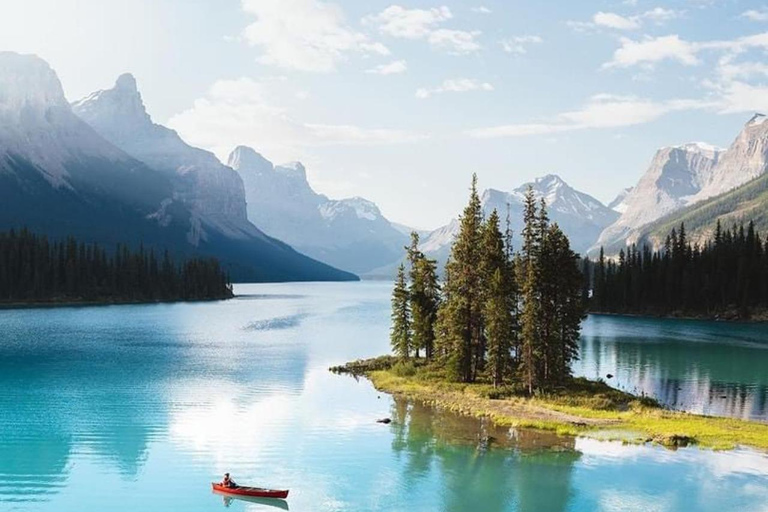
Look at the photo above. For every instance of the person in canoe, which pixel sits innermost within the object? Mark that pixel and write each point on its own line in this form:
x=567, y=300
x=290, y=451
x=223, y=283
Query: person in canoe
x=228, y=482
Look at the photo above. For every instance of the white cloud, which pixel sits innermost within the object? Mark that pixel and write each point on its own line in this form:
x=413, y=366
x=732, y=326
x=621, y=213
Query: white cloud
x=456, y=42
x=659, y=14
x=737, y=96
x=518, y=44
x=308, y=35
x=244, y=111
x=614, y=21
x=392, y=68
x=455, y=85
x=601, y=111
x=397, y=21
x=651, y=50
x=756, y=15
x=481, y=10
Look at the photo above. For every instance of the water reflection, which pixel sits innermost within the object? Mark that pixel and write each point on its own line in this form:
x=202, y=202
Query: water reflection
x=263, y=503
x=703, y=367
x=527, y=471
x=98, y=405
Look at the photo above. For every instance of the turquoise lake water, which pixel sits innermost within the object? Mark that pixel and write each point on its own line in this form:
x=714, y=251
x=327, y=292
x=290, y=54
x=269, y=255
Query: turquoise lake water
x=132, y=408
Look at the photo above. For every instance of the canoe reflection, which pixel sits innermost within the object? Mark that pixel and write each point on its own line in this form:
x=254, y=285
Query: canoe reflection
x=266, y=502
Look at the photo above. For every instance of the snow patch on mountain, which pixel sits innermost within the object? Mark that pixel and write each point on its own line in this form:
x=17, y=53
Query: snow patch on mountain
x=619, y=203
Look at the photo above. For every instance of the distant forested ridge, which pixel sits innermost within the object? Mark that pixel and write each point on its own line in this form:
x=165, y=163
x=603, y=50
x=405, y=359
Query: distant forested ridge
x=35, y=269
x=726, y=276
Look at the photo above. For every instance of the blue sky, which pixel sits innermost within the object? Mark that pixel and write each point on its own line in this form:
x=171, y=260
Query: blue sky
x=401, y=102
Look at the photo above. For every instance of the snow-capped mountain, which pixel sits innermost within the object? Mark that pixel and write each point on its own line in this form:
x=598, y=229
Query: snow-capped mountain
x=56, y=171
x=676, y=174
x=60, y=177
x=579, y=215
x=349, y=233
x=682, y=176
x=619, y=203
x=213, y=191
x=746, y=159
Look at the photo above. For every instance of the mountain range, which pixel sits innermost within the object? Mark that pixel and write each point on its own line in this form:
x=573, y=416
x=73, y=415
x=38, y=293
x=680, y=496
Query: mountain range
x=579, y=215
x=102, y=171
x=692, y=181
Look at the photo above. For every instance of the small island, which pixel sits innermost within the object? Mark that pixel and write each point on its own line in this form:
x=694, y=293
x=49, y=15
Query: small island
x=496, y=338
x=36, y=271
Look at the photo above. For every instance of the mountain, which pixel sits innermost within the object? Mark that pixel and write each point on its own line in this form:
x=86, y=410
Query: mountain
x=682, y=178
x=676, y=174
x=746, y=203
x=746, y=159
x=580, y=216
x=619, y=203
x=348, y=233
x=60, y=177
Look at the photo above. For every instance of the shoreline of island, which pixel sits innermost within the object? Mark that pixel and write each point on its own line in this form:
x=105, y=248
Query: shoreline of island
x=585, y=408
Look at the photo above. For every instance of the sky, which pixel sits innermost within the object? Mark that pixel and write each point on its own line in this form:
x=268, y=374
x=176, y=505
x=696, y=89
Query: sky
x=401, y=102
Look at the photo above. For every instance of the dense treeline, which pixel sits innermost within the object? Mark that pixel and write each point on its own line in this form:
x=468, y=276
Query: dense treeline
x=499, y=316
x=34, y=269
x=727, y=275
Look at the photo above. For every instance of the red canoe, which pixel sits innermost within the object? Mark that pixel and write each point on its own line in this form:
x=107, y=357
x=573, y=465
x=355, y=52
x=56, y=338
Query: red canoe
x=256, y=492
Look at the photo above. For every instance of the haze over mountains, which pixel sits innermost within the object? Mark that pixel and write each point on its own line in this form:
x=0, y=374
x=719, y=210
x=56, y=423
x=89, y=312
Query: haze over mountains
x=348, y=233
x=59, y=176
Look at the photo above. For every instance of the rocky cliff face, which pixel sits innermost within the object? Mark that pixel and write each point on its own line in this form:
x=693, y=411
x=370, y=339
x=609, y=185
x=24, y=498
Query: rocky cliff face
x=348, y=233
x=746, y=159
x=676, y=174
x=213, y=191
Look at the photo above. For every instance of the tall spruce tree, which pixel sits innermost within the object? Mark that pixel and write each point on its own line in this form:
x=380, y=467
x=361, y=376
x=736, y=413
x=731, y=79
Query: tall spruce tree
x=497, y=297
x=424, y=295
x=460, y=317
x=528, y=275
x=400, y=332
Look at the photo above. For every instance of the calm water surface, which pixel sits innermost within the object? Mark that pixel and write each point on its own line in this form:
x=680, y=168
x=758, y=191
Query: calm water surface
x=131, y=408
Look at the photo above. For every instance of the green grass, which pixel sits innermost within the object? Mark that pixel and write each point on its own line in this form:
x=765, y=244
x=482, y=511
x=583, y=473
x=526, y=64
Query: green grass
x=584, y=407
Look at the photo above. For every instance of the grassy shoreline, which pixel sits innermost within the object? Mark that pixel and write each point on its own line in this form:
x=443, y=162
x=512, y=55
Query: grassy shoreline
x=584, y=408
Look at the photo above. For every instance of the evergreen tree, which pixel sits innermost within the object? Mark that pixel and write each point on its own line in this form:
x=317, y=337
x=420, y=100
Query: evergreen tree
x=424, y=293
x=498, y=297
x=461, y=316
x=529, y=284
x=400, y=333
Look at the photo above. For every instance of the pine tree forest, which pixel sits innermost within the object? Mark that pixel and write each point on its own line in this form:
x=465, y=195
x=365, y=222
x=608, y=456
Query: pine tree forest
x=499, y=316
x=727, y=275
x=34, y=269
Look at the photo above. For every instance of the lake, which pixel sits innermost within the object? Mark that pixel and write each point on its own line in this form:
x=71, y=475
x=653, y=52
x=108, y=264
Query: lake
x=140, y=407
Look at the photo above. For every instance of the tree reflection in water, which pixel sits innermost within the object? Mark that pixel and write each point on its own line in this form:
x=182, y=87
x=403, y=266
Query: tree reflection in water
x=483, y=467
